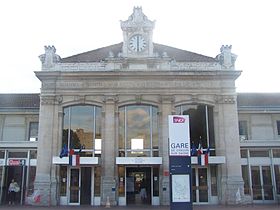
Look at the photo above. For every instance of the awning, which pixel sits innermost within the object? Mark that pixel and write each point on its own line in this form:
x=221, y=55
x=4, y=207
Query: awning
x=83, y=160
x=212, y=160
x=138, y=160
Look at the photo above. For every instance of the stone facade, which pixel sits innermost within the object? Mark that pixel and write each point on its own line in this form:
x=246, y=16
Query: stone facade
x=140, y=72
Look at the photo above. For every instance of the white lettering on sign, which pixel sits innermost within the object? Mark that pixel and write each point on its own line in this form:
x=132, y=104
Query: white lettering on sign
x=16, y=162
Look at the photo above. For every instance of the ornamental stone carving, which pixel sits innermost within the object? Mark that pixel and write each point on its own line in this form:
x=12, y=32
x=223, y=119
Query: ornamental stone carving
x=137, y=20
x=226, y=58
x=226, y=99
x=110, y=98
x=49, y=58
x=47, y=99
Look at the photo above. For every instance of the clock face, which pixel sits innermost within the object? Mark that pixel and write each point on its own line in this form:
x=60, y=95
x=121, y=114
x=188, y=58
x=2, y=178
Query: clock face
x=137, y=43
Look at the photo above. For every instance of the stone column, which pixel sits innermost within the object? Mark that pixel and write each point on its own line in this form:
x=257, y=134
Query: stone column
x=108, y=152
x=166, y=109
x=44, y=177
x=228, y=145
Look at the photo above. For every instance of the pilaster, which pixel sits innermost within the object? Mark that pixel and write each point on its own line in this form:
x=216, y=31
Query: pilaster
x=46, y=174
x=108, y=156
x=227, y=142
x=166, y=109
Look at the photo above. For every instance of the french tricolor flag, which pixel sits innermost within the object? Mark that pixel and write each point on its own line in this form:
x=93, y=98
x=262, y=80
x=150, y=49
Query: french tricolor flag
x=74, y=160
x=202, y=158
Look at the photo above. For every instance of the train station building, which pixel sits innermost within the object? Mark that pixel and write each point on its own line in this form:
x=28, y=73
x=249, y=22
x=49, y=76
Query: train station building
x=97, y=133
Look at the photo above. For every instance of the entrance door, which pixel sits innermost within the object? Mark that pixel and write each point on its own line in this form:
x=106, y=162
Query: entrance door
x=80, y=186
x=200, y=185
x=74, y=186
x=262, y=183
x=138, y=185
x=18, y=173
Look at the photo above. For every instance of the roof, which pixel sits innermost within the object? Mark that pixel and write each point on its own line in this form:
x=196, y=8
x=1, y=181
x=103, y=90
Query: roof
x=29, y=100
x=100, y=54
x=258, y=100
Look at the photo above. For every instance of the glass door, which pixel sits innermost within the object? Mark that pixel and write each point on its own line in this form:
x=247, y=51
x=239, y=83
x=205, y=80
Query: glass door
x=200, y=185
x=74, y=186
x=261, y=183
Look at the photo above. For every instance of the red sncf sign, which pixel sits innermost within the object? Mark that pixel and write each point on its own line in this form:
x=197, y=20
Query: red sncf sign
x=178, y=120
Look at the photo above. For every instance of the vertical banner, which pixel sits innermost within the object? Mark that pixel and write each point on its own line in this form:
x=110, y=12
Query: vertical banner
x=180, y=162
x=179, y=135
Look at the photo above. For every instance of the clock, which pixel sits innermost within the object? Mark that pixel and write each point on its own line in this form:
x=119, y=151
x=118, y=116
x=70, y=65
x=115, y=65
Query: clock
x=137, y=43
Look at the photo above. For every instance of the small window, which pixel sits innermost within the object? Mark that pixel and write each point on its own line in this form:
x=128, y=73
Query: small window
x=243, y=153
x=259, y=153
x=278, y=127
x=243, y=130
x=33, y=131
x=276, y=153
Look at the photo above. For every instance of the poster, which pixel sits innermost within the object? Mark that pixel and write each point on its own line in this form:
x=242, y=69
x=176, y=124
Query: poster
x=181, y=188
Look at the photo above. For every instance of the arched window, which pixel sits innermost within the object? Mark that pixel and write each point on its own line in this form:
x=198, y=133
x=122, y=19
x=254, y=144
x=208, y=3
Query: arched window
x=138, y=131
x=201, y=124
x=82, y=129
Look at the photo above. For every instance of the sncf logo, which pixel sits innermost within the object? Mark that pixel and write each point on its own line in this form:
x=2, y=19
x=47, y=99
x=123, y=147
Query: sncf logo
x=178, y=120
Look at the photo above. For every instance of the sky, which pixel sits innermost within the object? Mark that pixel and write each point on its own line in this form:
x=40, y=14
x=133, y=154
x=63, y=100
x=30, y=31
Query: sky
x=200, y=26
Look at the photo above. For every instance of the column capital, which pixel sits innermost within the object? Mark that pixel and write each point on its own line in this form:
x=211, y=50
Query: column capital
x=167, y=98
x=51, y=99
x=226, y=99
x=110, y=98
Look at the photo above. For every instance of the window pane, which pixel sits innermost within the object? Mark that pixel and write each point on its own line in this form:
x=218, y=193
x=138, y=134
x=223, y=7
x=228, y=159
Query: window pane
x=277, y=178
x=138, y=125
x=155, y=181
x=98, y=123
x=155, y=130
x=243, y=153
x=211, y=130
x=33, y=131
x=203, y=185
x=121, y=127
x=214, y=191
x=2, y=154
x=198, y=124
x=66, y=126
x=278, y=126
x=63, y=180
x=14, y=129
x=245, y=176
x=259, y=153
x=97, y=180
x=17, y=155
x=82, y=127
x=32, y=173
x=276, y=153
x=33, y=154
x=121, y=170
x=243, y=130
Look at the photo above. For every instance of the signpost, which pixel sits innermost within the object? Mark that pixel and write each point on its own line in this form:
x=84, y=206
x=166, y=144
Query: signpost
x=180, y=162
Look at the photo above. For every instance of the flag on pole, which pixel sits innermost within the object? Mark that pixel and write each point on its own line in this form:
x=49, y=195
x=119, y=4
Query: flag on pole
x=193, y=150
x=203, y=158
x=74, y=160
x=64, y=151
x=207, y=156
x=200, y=156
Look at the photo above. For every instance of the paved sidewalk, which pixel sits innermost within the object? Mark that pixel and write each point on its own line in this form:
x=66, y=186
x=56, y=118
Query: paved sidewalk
x=195, y=207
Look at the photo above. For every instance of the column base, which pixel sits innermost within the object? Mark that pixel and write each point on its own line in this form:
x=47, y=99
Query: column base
x=165, y=191
x=232, y=191
x=108, y=191
x=42, y=191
